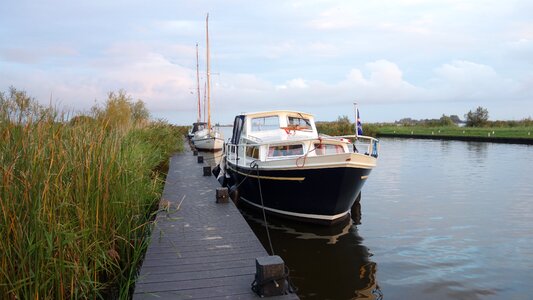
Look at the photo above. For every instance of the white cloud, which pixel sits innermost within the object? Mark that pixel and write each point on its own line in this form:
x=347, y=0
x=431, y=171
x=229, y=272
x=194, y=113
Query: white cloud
x=335, y=18
x=300, y=53
x=465, y=80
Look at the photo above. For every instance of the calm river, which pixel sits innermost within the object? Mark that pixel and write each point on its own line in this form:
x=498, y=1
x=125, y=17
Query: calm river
x=439, y=220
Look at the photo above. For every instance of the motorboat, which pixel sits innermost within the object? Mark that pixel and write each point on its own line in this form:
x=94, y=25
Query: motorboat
x=277, y=161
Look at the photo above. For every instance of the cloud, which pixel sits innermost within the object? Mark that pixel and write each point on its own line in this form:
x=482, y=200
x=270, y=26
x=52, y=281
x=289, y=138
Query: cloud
x=335, y=18
x=383, y=84
x=135, y=67
x=30, y=56
x=521, y=50
x=465, y=80
x=313, y=53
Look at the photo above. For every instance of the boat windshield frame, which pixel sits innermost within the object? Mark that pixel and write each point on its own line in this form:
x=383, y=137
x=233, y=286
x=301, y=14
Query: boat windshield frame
x=268, y=123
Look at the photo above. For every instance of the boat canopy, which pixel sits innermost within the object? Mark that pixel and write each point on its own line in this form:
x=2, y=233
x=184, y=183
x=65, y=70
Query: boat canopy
x=198, y=126
x=277, y=124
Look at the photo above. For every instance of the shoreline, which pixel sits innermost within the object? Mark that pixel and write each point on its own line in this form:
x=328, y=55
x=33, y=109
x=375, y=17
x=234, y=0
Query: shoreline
x=501, y=140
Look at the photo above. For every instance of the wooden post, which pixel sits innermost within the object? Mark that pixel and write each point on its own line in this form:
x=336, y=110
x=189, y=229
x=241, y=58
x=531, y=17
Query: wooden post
x=207, y=171
x=222, y=195
x=195, y=152
x=270, y=276
x=200, y=159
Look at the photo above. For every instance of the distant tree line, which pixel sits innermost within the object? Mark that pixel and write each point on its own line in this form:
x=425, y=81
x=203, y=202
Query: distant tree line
x=444, y=120
x=478, y=117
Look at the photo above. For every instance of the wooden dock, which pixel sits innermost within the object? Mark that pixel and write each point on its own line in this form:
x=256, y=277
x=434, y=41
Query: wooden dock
x=199, y=249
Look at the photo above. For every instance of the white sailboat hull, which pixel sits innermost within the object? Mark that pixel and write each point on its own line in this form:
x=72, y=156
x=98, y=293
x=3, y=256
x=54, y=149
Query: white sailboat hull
x=208, y=140
x=208, y=143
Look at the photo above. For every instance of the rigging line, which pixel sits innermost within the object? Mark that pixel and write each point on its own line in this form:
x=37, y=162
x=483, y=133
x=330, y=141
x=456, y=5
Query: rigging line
x=256, y=167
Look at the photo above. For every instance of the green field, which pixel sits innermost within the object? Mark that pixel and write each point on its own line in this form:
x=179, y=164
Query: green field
x=498, y=130
x=454, y=131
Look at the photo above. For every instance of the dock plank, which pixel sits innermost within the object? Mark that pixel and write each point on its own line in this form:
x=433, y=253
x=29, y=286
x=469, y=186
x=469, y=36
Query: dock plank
x=198, y=249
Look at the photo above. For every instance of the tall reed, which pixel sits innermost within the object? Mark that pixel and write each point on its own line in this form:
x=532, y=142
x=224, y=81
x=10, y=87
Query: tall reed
x=75, y=199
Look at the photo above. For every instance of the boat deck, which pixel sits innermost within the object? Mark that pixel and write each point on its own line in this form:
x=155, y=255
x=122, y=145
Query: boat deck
x=199, y=249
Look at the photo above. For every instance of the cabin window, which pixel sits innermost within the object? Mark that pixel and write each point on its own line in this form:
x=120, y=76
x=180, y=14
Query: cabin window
x=252, y=151
x=324, y=149
x=265, y=123
x=301, y=122
x=285, y=150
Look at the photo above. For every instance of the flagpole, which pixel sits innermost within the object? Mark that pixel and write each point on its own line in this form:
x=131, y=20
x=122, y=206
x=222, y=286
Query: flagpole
x=356, y=112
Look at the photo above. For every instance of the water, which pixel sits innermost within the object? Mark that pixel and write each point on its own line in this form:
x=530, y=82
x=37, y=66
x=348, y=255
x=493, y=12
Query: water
x=439, y=220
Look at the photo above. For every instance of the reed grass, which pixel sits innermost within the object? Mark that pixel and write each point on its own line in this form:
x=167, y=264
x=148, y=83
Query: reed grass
x=75, y=201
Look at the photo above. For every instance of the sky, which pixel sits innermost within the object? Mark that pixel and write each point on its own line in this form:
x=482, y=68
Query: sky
x=395, y=58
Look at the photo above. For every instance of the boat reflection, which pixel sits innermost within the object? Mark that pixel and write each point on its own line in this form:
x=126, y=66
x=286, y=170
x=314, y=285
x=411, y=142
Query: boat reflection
x=325, y=262
x=211, y=158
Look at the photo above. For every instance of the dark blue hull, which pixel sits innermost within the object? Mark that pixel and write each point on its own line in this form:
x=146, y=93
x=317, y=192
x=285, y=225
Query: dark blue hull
x=322, y=195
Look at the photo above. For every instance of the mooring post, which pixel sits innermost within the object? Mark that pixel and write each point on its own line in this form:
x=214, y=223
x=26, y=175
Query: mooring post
x=207, y=171
x=270, y=277
x=222, y=195
x=200, y=159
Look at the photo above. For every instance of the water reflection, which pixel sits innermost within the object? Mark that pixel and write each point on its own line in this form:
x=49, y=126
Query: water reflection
x=211, y=158
x=325, y=262
x=451, y=220
x=477, y=151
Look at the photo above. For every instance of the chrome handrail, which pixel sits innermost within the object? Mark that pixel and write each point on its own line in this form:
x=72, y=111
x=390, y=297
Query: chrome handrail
x=235, y=151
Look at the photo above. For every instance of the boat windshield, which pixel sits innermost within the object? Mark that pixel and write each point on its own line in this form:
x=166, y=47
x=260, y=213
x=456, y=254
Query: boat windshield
x=265, y=123
x=301, y=122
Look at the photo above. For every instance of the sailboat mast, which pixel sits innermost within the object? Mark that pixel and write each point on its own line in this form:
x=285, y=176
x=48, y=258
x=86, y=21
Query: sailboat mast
x=208, y=74
x=205, y=100
x=198, y=86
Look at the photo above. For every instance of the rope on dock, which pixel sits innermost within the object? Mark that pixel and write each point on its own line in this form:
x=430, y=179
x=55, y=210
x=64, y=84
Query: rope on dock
x=257, y=285
x=255, y=166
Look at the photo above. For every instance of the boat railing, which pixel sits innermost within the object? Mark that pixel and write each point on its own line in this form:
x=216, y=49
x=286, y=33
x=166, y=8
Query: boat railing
x=236, y=152
x=365, y=145
x=368, y=143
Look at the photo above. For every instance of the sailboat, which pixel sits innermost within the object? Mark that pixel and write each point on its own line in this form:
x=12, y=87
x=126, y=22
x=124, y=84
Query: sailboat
x=207, y=138
x=198, y=125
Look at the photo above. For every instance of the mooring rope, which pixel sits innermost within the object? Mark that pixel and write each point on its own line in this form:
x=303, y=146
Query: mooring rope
x=255, y=166
x=256, y=285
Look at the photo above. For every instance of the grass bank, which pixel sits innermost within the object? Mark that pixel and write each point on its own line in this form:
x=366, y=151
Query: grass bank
x=497, y=134
x=75, y=200
x=511, y=132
